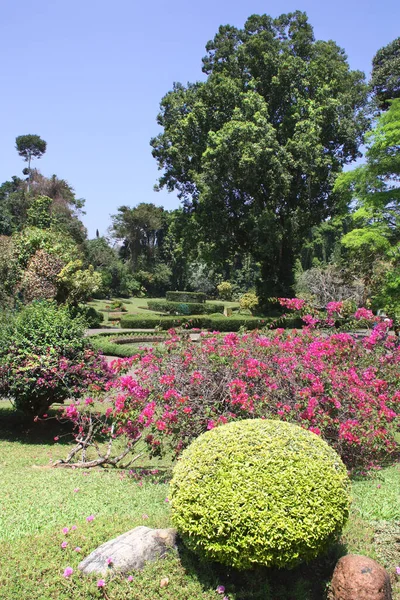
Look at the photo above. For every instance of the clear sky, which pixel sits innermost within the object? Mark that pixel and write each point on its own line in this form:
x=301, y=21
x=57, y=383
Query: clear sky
x=88, y=76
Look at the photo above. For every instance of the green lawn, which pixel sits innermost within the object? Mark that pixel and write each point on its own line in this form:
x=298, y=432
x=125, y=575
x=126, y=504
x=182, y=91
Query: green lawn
x=37, y=502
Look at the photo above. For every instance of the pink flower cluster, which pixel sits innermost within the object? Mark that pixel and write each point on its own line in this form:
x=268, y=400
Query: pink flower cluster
x=337, y=386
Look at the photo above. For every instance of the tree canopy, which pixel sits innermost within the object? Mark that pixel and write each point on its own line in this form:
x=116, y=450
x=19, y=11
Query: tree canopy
x=374, y=191
x=385, y=79
x=254, y=150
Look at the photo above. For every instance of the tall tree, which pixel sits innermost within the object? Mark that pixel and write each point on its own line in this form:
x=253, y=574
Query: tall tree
x=374, y=191
x=385, y=78
x=253, y=151
x=30, y=146
x=141, y=229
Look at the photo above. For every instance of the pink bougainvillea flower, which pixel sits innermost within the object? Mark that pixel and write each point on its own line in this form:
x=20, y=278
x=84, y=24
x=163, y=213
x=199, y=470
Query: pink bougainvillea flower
x=101, y=583
x=398, y=570
x=109, y=561
x=56, y=438
x=166, y=499
x=65, y=530
x=220, y=589
x=77, y=549
x=90, y=518
x=73, y=528
x=68, y=572
x=64, y=544
x=76, y=490
x=130, y=578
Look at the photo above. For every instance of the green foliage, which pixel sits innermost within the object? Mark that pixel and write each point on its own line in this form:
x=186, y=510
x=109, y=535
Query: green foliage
x=141, y=230
x=373, y=190
x=248, y=301
x=186, y=297
x=92, y=317
x=225, y=290
x=76, y=284
x=9, y=271
x=155, y=281
x=30, y=146
x=36, y=341
x=38, y=213
x=385, y=78
x=210, y=322
x=117, y=305
x=185, y=308
x=259, y=492
x=56, y=243
x=253, y=150
x=13, y=206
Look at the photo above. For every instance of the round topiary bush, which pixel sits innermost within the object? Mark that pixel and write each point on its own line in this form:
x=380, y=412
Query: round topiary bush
x=259, y=492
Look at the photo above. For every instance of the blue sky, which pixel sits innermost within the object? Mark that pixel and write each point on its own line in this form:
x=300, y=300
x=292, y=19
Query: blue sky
x=88, y=76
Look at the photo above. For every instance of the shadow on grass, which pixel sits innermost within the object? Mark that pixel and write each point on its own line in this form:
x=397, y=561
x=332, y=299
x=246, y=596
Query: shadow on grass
x=15, y=426
x=306, y=582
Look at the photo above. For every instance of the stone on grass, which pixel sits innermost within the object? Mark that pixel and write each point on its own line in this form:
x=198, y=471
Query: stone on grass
x=358, y=577
x=129, y=551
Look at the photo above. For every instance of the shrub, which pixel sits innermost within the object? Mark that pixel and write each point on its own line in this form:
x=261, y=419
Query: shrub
x=345, y=390
x=259, y=492
x=248, y=301
x=210, y=322
x=44, y=358
x=186, y=297
x=92, y=317
x=184, y=308
x=225, y=290
x=117, y=305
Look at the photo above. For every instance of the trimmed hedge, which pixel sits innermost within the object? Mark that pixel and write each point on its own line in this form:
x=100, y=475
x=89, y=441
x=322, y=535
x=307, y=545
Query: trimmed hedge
x=259, y=493
x=184, y=308
x=195, y=322
x=186, y=297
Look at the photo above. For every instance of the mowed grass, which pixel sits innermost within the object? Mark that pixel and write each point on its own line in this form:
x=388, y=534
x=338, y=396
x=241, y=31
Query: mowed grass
x=37, y=502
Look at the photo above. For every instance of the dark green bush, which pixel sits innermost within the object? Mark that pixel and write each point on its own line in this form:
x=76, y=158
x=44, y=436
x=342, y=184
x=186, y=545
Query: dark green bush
x=186, y=297
x=259, y=492
x=92, y=317
x=184, y=308
x=45, y=358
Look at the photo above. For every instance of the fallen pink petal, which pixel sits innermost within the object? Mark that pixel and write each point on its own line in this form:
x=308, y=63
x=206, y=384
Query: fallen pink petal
x=68, y=572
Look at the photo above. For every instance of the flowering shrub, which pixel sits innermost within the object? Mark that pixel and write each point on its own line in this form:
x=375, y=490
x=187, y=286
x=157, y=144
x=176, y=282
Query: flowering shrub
x=44, y=358
x=339, y=387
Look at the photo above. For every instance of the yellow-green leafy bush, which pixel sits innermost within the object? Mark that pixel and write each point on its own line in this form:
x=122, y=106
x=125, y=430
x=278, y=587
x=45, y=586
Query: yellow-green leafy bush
x=248, y=301
x=259, y=492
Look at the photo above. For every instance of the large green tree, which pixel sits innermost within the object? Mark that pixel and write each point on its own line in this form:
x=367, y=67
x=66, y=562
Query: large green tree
x=373, y=189
x=141, y=231
x=385, y=78
x=253, y=151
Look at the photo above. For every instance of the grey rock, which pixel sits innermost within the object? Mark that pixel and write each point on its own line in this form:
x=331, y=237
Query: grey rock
x=130, y=551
